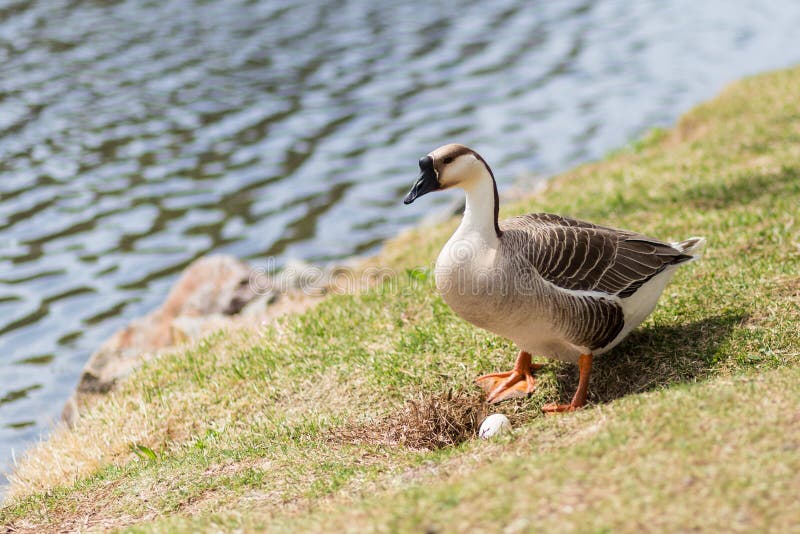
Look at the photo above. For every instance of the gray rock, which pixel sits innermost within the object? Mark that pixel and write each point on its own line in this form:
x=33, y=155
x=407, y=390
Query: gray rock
x=306, y=277
x=258, y=306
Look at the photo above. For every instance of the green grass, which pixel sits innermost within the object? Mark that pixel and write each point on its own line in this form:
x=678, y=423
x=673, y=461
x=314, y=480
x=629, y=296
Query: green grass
x=692, y=422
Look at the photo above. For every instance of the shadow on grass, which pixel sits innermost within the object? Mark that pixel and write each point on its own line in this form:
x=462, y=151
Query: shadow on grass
x=653, y=357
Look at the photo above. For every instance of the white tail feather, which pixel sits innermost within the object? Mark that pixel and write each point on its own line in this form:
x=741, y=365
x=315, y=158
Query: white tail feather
x=693, y=246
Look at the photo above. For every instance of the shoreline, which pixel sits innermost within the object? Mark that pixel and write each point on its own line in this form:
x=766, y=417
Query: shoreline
x=242, y=418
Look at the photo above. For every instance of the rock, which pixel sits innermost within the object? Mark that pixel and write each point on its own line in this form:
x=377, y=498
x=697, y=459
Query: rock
x=301, y=277
x=209, y=288
x=187, y=328
x=204, y=299
x=306, y=277
x=524, y=186
x=258, y=306
x=214, y=284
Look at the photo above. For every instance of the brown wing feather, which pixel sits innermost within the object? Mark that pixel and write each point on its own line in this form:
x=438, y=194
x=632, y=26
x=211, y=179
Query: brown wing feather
x=579, y=255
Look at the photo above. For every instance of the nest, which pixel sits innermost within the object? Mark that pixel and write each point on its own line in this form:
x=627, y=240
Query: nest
x=426, y=423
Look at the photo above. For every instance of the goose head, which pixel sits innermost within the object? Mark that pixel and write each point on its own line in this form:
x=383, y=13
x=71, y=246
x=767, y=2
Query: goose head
x=448, y=166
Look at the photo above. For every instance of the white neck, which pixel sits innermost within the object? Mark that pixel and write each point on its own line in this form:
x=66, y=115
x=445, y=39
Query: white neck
x=479, y=210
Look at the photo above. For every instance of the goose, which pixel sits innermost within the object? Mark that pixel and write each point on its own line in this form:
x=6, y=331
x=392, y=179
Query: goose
x=557, y=287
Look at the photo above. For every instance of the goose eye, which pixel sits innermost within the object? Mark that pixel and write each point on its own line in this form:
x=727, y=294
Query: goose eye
x=447, y=160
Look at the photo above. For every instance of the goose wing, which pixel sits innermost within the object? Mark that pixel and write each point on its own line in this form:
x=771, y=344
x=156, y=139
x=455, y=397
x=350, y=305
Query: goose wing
x=578, y=255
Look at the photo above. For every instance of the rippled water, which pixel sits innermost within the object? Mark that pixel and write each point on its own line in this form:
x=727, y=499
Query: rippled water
x=136, y=136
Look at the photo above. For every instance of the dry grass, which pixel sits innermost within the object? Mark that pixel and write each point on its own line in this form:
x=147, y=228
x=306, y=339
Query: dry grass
x=426, y=423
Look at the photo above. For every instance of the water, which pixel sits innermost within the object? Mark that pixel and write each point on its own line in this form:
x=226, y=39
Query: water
x=137, y=136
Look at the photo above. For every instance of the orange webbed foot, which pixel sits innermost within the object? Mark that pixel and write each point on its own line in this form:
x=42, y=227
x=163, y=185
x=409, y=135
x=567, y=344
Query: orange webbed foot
x=584, y=367
x=514, y=384
x=559, y=408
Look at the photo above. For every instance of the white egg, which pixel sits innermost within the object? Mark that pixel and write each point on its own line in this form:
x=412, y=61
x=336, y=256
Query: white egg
x=494, y=425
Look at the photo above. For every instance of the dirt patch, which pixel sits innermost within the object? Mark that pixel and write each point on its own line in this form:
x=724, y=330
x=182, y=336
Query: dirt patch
x=789, y=287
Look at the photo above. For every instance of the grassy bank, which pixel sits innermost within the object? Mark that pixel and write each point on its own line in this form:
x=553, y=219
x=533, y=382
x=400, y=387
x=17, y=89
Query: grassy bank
x=323, y=421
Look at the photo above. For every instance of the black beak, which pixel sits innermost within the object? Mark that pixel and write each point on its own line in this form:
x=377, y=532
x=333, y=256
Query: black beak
x=427, y=182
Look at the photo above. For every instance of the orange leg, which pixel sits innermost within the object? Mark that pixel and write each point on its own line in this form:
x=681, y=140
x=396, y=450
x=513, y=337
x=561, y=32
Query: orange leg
x=584, y=368
x=513, y=384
